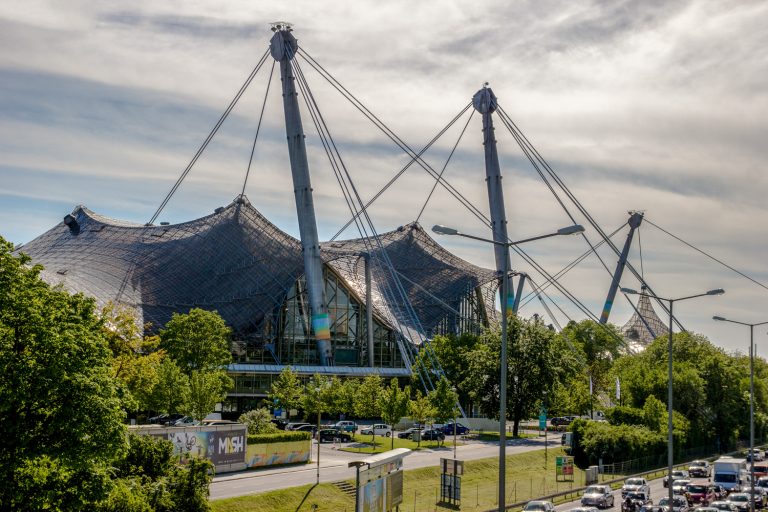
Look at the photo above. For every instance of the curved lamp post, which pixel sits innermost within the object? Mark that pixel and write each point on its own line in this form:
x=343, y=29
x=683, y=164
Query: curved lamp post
x=751, y=398
x=670, y=457
x=444, y=230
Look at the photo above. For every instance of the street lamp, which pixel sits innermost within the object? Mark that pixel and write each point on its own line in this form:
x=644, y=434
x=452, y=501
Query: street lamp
x=751, y=397
x=670, y=457
x=443, y=230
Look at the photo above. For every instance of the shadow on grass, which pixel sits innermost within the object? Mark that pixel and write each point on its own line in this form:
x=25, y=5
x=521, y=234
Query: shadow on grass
x=309, y=491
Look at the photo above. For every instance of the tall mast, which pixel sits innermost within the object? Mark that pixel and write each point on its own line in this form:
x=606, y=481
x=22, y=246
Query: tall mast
x=634, y=222
x=283, y=47
x=484, y=102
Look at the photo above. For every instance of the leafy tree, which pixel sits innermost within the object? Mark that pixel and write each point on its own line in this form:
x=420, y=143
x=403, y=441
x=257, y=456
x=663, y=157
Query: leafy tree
x=286, y=390
x=443, y=399
x=61, y=417
x=170, y=393
x=452, y=352
x=598, y=346
x=344, y=396
x=136, y=359
x=536, y=361
x=368, y=400
x=198, y=340
x=394, y=404
x=421, y=409
x=258, y=421
x=317, y=397
x=206, y=389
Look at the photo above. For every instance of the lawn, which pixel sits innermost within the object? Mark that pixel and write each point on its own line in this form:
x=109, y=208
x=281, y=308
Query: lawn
x=527, y=477
x=363, y=444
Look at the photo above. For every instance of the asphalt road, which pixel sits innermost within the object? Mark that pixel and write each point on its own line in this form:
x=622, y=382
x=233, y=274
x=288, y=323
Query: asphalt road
x=334, y=465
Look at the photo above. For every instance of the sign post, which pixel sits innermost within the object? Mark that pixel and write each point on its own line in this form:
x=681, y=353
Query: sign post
x=564, y=468
x=450, y=481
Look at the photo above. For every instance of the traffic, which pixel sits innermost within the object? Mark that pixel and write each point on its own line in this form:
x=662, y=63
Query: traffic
x=720, y=486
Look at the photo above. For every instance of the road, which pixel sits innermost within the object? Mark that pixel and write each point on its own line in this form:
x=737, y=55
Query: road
x=334, y=465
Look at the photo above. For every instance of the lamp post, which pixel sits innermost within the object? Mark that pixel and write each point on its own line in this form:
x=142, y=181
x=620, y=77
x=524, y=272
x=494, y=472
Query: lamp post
x=443, y=230
x=751, y=398
x=670, y=456
x=454, y=424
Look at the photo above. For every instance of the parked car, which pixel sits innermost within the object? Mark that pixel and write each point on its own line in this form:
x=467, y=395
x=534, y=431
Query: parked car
x=539, y=506
x=164, y=419
x=559, y=421
x=723, y=506
x=740, y=500
x=447, y=429
x=279, y=423
x=408, y=433
x=185, y=421
x=677, y=474
x=294, y=426
x=432, y=434
x=700, y=469
x=330, y=435
x=306, y=428
x=347, y=425
x=700, y=494
x=635, y=484
x=599, y=496
x=218, y=422
x=379, y=429
x=679, y=503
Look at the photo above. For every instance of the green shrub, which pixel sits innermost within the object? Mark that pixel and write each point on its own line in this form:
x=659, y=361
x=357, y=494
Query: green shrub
x=259, y=421
x=280, y=437
x=614, y=443
x=623, y=415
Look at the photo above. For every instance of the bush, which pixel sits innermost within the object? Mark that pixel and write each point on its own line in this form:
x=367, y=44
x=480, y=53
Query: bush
x=623, y=415
x=614, y=443
x=279, y=437
x=259, y=421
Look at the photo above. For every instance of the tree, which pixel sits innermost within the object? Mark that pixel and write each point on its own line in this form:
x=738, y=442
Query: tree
x=344, y=396
x=367, y=400
x=394, y=404
x=444, y=401
x=258, y=421
x=421, y=410
x=452, y=352
x=136, y=359
x=317, y=397
x=171, y=390
x=198, y=340
x=206, y=389
x=60, y=413
x=286, y=390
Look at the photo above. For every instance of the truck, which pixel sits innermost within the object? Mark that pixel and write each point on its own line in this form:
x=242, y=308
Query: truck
x=730, y=473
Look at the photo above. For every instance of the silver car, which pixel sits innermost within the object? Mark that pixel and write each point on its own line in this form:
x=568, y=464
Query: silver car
x=599, y=496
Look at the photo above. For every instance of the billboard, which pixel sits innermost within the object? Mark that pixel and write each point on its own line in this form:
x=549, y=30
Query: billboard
x=226, y=446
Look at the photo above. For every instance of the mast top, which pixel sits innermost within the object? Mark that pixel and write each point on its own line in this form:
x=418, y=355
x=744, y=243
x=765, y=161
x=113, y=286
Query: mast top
x=484, y=100
x=282, y=45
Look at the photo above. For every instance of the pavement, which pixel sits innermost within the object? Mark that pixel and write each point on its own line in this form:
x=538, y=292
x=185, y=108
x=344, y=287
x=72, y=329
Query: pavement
x=334, y=464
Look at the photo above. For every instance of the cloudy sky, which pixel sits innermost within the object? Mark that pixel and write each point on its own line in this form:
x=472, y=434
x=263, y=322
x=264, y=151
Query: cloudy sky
x=659, y=106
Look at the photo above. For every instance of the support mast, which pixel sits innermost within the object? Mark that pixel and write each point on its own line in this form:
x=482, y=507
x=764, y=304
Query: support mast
x=634, y=222
x=283, y=47
x=484, y=102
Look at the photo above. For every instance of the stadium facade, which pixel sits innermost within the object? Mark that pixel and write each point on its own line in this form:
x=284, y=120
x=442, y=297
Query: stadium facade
x=238, y=263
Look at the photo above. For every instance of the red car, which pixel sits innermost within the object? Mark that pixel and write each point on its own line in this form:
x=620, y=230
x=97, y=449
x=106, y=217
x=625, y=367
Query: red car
x=700, y=494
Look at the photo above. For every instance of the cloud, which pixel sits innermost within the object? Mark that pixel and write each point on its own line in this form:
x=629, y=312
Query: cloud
x=657, y=106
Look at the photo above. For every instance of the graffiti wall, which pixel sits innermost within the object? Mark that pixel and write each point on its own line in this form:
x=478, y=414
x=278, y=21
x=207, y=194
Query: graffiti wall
x=224, y=445
x=272, y=454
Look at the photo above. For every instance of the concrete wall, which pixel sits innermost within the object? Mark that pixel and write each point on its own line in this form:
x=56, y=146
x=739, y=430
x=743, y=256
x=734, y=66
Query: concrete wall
x=272, y=454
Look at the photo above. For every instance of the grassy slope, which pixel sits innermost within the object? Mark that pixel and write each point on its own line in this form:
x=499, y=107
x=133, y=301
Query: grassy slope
x=526, y=478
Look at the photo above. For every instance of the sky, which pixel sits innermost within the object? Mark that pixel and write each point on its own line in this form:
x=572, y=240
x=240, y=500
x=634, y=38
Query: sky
x=656, y=106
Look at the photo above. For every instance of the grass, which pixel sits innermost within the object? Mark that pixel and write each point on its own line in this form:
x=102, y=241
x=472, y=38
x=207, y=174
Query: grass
x=527, y=477
x=362, y=444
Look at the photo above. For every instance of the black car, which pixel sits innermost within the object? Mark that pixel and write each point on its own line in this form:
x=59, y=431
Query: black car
x=330, y=435
x=408, y=433
x=560, y=421
x=279, y=423
x=306, y=428
x=432, y=435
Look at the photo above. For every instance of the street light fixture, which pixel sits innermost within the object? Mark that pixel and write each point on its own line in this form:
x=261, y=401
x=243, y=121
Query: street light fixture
x=444, y=230
x=751, y=397
x=670, y=456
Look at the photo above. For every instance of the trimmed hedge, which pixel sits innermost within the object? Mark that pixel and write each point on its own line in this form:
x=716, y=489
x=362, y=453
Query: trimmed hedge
x=613, y=443
x=279, y=437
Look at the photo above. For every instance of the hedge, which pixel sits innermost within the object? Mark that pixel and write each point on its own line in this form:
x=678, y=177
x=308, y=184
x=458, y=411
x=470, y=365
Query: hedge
x=279, y=437
x=613, y=443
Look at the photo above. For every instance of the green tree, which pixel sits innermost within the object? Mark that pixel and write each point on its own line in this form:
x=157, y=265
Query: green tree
x=444, y=401
x=286, y=390
x=206, y=389
x=536, y=362
x=170, y=393
x=394, y=404
x=198, y=340
x=421, y=410
x=368, y=400
x=258, y=421
x=452, y=352
x=344, y=397
x=317, y=397
x=61, y=417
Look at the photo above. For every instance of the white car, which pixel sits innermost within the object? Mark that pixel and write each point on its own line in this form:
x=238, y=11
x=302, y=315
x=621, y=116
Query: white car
x=379, y=429
x=635, y=485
